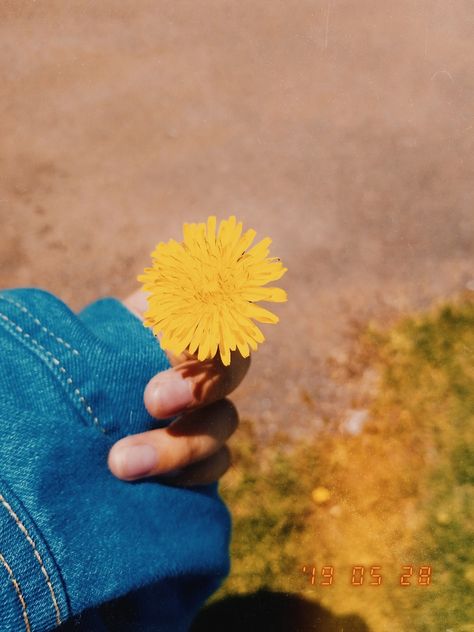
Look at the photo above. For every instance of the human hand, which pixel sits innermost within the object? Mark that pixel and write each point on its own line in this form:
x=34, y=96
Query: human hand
x=192, y=450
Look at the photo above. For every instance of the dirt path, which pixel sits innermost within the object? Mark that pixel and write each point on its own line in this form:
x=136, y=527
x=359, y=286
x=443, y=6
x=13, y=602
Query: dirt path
x=344, y=130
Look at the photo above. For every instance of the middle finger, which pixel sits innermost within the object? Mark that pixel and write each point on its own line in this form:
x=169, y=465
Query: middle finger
x=192, y=437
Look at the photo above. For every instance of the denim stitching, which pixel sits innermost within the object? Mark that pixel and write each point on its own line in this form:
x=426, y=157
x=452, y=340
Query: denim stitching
x=24, y=530
x=38, y=322
x=82, y=400
x=18, y=592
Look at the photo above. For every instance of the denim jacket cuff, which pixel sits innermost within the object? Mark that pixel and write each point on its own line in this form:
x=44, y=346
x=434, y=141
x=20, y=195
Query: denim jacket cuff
x=104, y=371
x=70, y=386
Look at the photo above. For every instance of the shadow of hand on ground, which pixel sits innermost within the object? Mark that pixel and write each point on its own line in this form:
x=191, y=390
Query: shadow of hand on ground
x=279, y=612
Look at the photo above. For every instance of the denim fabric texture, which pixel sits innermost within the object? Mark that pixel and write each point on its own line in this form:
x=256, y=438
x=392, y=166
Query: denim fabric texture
x=78, y=545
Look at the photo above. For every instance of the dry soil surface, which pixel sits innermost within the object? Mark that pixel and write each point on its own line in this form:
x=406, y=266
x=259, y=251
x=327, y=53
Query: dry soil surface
x=342, y=129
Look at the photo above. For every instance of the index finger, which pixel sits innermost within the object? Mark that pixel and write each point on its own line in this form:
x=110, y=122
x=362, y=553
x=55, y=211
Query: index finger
x=192, y=384
x=189, y=383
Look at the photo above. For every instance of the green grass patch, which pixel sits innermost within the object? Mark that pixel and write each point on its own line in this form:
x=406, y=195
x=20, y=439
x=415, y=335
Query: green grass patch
x=428, y=365
x=400, y=492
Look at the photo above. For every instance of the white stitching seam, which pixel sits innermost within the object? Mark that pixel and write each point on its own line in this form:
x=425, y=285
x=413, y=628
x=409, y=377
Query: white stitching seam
x=82, y=400
x=18, y=592
x=23, y=529
x=38, y=322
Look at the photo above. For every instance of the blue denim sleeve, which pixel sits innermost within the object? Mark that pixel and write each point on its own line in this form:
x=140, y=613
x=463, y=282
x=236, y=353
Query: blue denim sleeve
x=73, y=536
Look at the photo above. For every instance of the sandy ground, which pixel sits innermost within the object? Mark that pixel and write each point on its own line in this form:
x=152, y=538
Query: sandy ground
x=342, y=129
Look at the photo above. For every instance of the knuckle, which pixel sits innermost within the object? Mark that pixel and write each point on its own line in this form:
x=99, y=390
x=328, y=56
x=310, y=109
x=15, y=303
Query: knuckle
x=229, y=412
x=240, y=369
x=195, y=449
x=226, y=381
x=226, y=458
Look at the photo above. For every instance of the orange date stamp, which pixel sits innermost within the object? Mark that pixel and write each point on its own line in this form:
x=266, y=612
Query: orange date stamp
x=360, y=575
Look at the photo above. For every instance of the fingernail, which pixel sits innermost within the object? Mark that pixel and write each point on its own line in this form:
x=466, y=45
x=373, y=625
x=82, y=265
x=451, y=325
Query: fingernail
x=174, y=393
x=137, y=460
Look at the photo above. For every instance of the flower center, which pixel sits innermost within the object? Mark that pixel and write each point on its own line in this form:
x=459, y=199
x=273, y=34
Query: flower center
x=216, y=288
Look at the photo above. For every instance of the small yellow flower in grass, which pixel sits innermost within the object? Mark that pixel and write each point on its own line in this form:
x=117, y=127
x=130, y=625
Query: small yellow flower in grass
x=321, y=495
x=203, y=290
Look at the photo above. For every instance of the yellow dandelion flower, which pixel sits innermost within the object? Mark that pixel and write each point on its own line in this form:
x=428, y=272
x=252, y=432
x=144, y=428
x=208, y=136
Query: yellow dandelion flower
x=321, y=495
x=203, y=290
